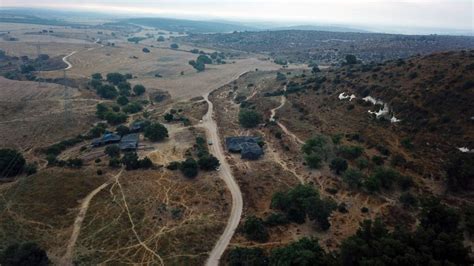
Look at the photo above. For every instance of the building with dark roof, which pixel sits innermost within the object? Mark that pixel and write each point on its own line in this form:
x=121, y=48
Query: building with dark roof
x=247, y=146
x=107, y=138
x=129, y=142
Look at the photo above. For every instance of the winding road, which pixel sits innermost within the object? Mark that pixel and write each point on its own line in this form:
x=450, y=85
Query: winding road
x=226, y=175
x=283, y=127
x=69, y=65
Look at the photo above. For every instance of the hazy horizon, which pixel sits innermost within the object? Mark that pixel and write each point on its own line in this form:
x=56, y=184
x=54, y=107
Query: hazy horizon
x=440, y=14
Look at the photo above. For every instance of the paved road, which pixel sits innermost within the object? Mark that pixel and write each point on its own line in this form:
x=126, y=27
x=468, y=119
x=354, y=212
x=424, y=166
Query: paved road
x=226, y=174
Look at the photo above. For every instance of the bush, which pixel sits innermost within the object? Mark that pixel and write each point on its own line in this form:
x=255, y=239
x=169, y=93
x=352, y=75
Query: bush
x=11, y=163
x=124, y=89
x=132, y=108
x=156, y=132
x=319, y=145
x=241, y=256
x=362, y=163
x=96, y=76
x=199, y=66
x=146, y=50
x=107, y=91
x=276, y=218
x=115, y=118
x=99, y=172
x=145, y=163
x=305, y=251
x=378, y=160
x=160, y=38
x=204, y=59
x=254, y=229
x=189, y=168
x=338, y=165
x=353, y=177
x=168, y=117
x=130, y=160
x=115, y=162
x=313, y=160
x=174, y=46
x=249, y=118
x=116, y=78
x=208, y=162
x=75, y=163
x=113, y=151
x=95, y=84
x=122, y=130
x=408, y=200
x=351, y=59
x=173, y=166
x=122, y=100
x=139, y=89
x=30, y=169
x=350, y=152
x=24, y=255
x=101, y=110
x=459, y=171
x=302, y=201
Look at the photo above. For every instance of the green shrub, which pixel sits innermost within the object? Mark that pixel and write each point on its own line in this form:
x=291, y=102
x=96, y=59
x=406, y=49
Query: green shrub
x=139, y=89
x=408, y=200
x=189, y=168
x=113, y=151
x=11, y=163
x=350, y=152
x=313, y=160
x=276, y=218
x=254, y=229
x=338, y=165
x=353, y=177
x=249, y=118
x=156, y=132
x=23, y=255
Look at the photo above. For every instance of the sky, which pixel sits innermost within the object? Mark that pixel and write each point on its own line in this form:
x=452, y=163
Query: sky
x=441, y=14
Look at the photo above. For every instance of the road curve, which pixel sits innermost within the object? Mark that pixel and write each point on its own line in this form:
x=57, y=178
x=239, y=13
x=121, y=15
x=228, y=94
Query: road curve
x=226, y=175
x=69, y=65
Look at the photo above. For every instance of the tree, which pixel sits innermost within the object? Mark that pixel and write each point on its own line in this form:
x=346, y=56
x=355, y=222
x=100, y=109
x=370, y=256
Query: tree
x=460, y=171
x=408, y=200
x=115, y=118
x=145, y=163
x=351, y=59
x=313, y=160
x=305, y=251
x=208, y=162
x=350, y=152
x=115, y=78
x=174, y=46
x=249, y=118
x=107, y=91
x=113, y=151
x=24, y=255
x=189, y=168
x=139, y=89
x=130, y=160
x=241, y=256
x=168, y=117
x=122, y=100
x=146, y=50
x=132, y=108
x=156, y=132
x=124, y=88
x=96, y=76
x=353, y=177
x=11, y=163
x=338, y=164
x=95, y=84
x=254, y=229
x=122, y=130
x=199, y=66
x=315, y=69
x=160, y=38
x=204, y=59
x=319, y=145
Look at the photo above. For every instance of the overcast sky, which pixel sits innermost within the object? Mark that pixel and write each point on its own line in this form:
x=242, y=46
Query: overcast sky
x=453, y=14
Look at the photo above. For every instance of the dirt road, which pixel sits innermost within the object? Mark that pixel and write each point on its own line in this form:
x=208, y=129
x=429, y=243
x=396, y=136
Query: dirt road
x=237, y=202
x=67, y=258
x=69, y=65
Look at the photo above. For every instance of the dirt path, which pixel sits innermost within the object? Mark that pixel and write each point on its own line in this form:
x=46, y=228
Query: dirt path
x=67, y=258
x=237, y=202
x=283, y=127
x=69, y=65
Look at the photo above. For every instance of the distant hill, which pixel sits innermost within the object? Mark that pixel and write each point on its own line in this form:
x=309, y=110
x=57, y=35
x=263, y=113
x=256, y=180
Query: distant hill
x=194, y=26
x=320, y=28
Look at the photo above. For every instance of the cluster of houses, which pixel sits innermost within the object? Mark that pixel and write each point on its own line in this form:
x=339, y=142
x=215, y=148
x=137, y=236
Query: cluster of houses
x=248, y=146
x=127, y=142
